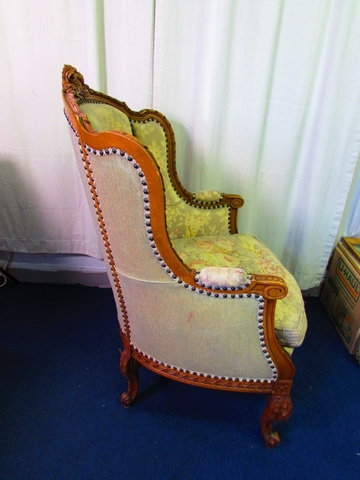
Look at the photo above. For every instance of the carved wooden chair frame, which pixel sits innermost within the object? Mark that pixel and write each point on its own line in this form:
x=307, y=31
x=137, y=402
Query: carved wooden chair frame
x=269, y=288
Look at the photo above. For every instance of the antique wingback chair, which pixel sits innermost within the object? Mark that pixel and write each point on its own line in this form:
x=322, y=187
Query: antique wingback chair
x=197, y=302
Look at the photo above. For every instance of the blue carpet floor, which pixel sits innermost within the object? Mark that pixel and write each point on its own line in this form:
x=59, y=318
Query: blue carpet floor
x=60, y=415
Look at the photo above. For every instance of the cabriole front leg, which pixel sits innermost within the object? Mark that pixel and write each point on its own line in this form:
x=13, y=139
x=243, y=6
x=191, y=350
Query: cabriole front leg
x=129, y=368
x=278, y=409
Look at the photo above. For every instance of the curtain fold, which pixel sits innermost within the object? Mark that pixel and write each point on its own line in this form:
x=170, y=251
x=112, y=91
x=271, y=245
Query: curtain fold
x=266, y=105
x=263, y=98
x=353, y=229
x=42, y=206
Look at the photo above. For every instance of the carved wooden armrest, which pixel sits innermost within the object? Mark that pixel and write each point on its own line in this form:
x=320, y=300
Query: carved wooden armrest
x=214, y=198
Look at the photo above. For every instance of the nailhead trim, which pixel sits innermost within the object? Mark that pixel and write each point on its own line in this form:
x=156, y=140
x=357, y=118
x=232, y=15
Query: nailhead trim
x=147, y=218
x=260, y=326
x=259, y=298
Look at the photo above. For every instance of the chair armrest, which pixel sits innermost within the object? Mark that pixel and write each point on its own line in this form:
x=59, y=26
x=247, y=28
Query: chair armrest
x=207, y=196
x=215, y=199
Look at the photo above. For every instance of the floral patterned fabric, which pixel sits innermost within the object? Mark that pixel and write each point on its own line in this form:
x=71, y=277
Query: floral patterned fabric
x=246, y=252
x=207, y=196
x=183, y=220
x=105, y=117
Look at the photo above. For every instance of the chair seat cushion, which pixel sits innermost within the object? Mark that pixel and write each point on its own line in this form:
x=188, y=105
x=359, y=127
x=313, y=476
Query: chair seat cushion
x=246, y=252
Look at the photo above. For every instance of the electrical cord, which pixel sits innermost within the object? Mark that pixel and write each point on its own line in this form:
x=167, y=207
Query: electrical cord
x=3, y=279
x=3, y=275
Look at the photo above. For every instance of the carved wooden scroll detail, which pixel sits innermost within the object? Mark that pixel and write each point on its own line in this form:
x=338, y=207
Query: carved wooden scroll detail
x=73, y=81
x=75, y=89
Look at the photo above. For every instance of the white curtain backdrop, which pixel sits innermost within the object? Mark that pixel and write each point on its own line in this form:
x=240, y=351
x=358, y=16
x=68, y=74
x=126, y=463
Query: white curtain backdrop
x=264, y=99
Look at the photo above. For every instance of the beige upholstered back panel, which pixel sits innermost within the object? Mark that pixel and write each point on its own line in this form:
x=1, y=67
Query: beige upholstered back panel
x=123, y=211
x=122, y=203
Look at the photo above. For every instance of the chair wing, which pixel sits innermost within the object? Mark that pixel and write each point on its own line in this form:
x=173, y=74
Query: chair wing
x=199, y=309
x=184, y=210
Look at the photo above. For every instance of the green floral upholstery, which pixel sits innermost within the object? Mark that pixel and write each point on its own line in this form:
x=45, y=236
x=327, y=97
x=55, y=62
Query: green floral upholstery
x=207, y=196
x=182, y=219
x=245, y=251
x=105, y=117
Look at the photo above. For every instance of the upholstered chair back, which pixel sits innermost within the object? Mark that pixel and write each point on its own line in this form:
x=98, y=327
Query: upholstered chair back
x=124, y=203
x=156, y=134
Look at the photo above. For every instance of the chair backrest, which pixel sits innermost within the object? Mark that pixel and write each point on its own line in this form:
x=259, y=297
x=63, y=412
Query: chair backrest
x=155, y=133
x=127, y=214
x=124, y=211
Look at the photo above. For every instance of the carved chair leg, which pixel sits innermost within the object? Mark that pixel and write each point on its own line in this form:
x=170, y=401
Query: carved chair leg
x=278, y=408
x=129, y=368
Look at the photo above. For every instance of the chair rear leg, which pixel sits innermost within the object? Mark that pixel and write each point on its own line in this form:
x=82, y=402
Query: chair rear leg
x=278, y=408
x=129, y=368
